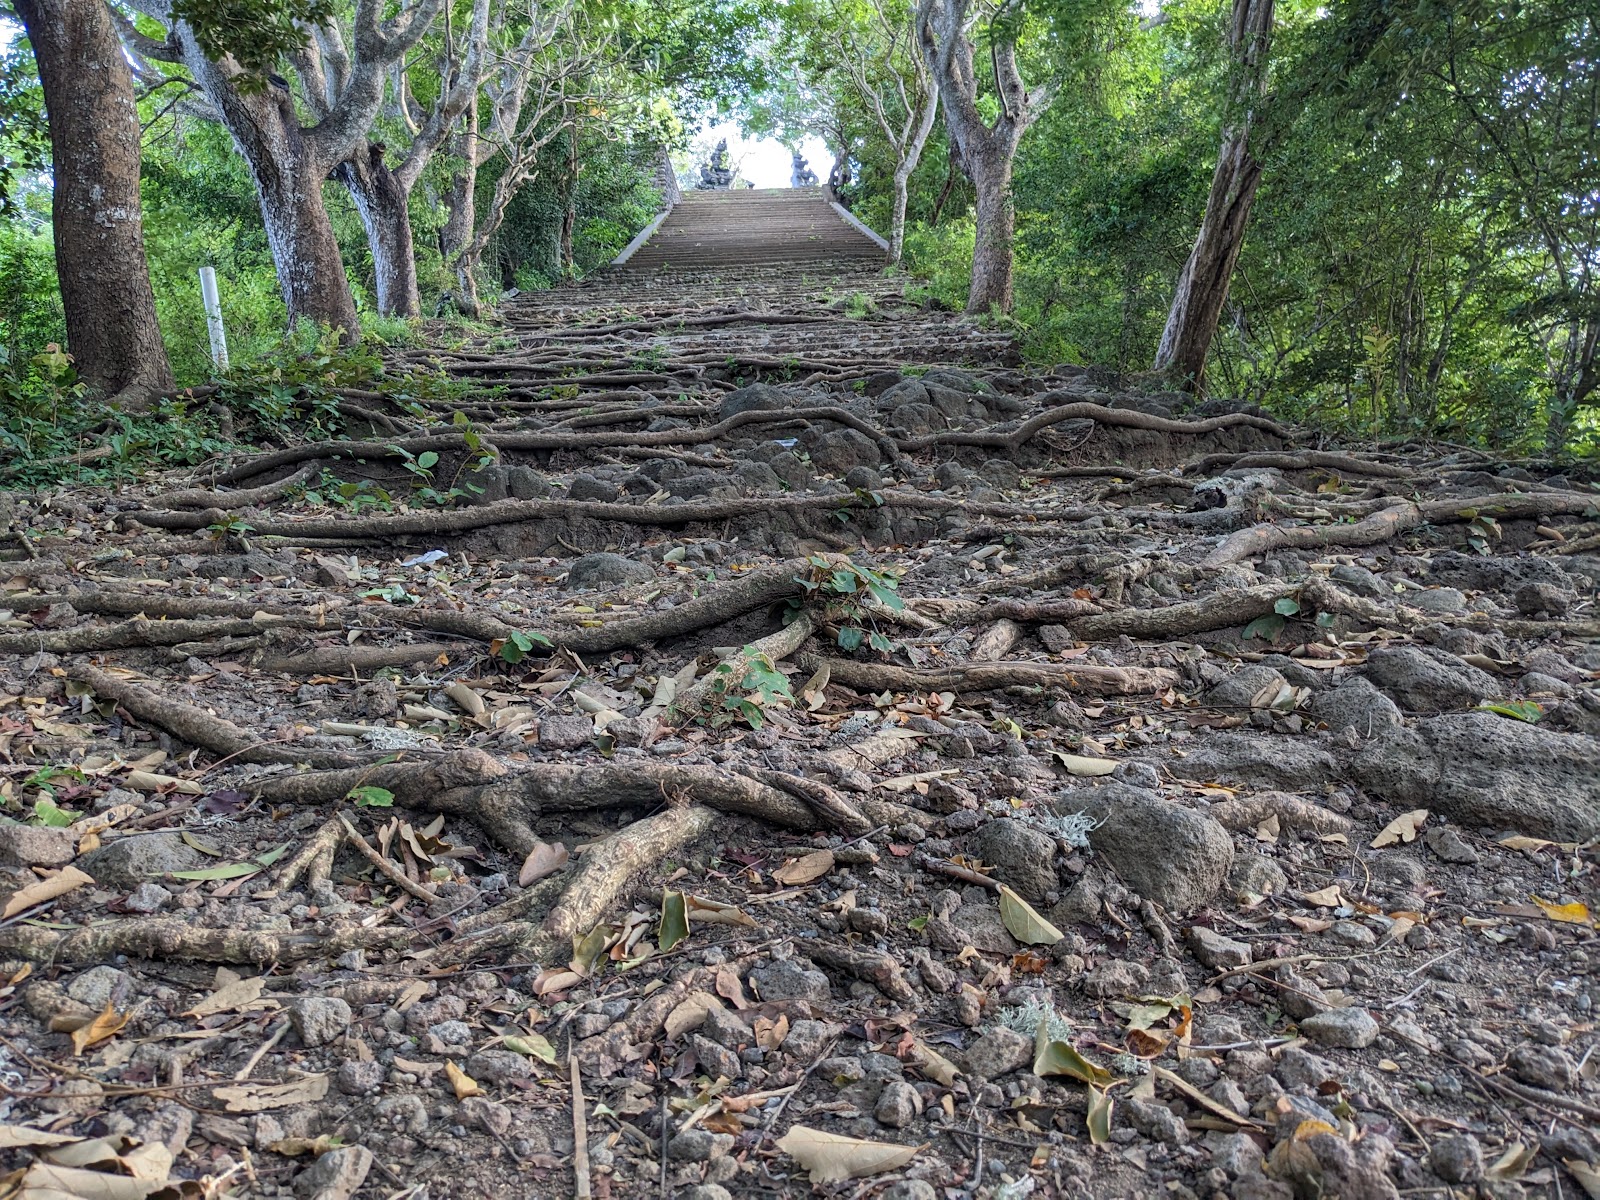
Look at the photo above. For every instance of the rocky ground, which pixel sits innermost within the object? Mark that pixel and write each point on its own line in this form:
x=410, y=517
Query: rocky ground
x=807, y=753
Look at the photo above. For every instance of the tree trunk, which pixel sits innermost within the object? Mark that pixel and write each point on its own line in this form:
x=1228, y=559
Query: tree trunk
x=996, y=220
x=952, y=176
x=384, y=206
x=1202, y=289
x=112, y=332
x=304, y=250
x=897, y=219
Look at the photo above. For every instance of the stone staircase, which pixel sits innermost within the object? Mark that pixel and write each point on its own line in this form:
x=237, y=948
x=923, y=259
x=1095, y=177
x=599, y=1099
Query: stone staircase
x=728, y=288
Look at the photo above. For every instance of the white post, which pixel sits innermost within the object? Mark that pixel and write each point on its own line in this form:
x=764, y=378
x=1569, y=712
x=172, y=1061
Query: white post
x=213, y=306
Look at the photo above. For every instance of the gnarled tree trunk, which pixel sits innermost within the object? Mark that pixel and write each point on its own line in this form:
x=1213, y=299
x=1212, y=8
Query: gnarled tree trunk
x=1202, y=289
x=112, y=332
x=383, y=202
x=996, y=227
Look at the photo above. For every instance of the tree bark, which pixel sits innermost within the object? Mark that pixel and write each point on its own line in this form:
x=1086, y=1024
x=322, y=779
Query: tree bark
x=383, y=202
x=997, y=218
x=1202, y=289
x=112, y=332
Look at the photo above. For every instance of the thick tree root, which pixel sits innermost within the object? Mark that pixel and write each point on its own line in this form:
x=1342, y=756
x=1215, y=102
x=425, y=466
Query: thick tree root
x=1013, y=440
x=411, y=782
x=1220, y=610
x=235, y=500
x=198, y=727
x=1395, y=518
x=507, y=809
x=983, y=677
x=170, y=938
x=125, y=635
x=345, y=660
x=605, y=868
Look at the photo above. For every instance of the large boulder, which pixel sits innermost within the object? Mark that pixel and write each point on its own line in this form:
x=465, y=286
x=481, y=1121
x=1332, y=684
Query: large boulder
x=1173, y=855
x=1427, y=679
x=756, y=397
x=1482, y=769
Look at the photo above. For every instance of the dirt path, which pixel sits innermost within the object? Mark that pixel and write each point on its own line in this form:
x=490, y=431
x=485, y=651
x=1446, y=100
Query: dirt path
x=759, y=691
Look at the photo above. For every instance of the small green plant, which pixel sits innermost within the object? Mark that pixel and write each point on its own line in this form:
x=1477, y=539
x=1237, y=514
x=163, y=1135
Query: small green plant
x=1482, y=530
x=368, y=796
x=744, y=686
x=514, y=647
x=393, y=593
x=847, y=591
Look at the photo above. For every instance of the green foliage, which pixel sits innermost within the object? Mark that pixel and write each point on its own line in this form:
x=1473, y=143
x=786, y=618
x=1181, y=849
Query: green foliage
x=847, y=593
x=743, y=687
x=256, y=32
x=24, y=133
x=517, y=646
x=368, y=796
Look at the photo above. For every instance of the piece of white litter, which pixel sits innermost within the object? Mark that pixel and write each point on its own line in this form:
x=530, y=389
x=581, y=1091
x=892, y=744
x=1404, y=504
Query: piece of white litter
x=426, y=560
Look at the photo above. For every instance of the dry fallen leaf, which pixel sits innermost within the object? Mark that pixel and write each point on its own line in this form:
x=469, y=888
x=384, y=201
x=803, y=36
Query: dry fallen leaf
x=149, y=781
x=104, y=1027
x=1403, y=828
x=1586, y=1175
x=1023, y=923
x=260, y=1097
x=830, y=1158
x=1576, y=913
x=1082, y=765
x=544, y=859
x=690, y=1014
x=233, y=996
x=805, y=869
x=465, y=1085
x=1328, y=897
x=59, y=884
x=15, y=1137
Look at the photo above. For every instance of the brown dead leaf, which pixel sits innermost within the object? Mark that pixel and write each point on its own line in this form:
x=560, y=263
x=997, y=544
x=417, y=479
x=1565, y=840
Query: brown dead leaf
x=262, y=1097
x=463, y=1084
x=1403, y=828
x=235, y=995
x=1328, y=897
x=805, y=869
x=730, y=988
x=830, y=1158
x=103, y=1028
x=770, y=1034
x=690, y=1014
x=59, y=884
x=545, y=858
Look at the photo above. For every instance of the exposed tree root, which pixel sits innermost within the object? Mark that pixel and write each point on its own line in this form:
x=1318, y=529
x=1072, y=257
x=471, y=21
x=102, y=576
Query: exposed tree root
x=198, y=727
x=342, y=660
x=138, y=632
x=774, y=647
x=982, y=677
x=235, y=500
x=171, y=938
x=411, y=782
x=1012, y=440
x=1302, y=460
x=876, y=968
x=1294, y=813
x=605, y=868
x=1395, y=518
x=314, y=860
x=1220, y=610
x=507, y=808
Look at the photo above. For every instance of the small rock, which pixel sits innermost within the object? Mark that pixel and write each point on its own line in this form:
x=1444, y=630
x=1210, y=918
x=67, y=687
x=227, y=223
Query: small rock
x=1446, y=841
x=789, y=980
x=1243, y=686
x=498, y=1066
x=357, y=1078
x=565, y=731
x=336, y=1175
x=1545, y=1067
x=999, y=1052
x=980, y=926
x=1156, y=1121
x=807, y=1039
x=898, y=1104
x=318, y=1019
x=1172, y=855
x=1353, y=933
x=1457, y=1159
x=479, y=1112
x=909, y=1189
x=706, y=1191
x=1023, y=855
x=1216, y=951
x=147, y=898
x=1341, y=1028
x=699, y=1145
x=1254, y=876
x=99, y=986
x=1437, y=600
x=1298, y=1068
x=607, y=570
x=36, y=846
x=586, y=487
x=1238, y=1154
x=1115, y=979
x=716, y=1059
x=1534, y=599
x=1356, y=704
x=1426, y=678
x=128, y=862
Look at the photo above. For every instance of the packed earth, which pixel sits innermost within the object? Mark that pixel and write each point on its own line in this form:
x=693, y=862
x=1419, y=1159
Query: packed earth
x=757, y=740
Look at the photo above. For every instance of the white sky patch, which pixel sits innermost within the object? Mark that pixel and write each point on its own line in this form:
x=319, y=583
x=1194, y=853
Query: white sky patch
x=763, y=161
